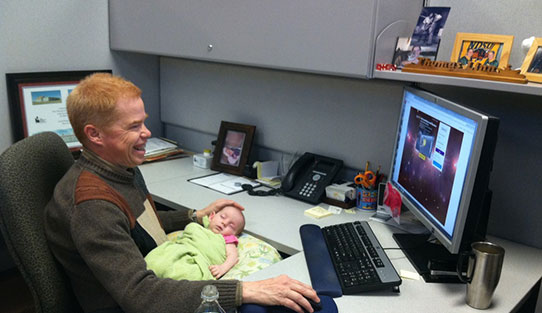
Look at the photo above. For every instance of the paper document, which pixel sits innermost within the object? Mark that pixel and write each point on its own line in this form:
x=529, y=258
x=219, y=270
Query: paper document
x=156, y=146
x=267, y=173
x=224, y=183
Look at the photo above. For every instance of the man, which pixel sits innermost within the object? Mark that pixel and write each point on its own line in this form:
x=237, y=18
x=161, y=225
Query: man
x=413, y=56
x=101, y=221
x=491, y=60
x=464, y=60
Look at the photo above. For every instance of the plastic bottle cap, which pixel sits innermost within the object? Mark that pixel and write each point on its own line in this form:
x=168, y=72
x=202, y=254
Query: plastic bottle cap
x=206, y=152
x=209, y=293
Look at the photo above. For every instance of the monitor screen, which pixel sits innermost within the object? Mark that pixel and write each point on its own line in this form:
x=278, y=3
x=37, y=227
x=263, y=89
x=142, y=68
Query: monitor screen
x=435, y=164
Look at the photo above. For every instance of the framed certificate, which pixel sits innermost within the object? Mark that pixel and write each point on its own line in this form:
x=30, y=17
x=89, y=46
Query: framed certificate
x=37, y=103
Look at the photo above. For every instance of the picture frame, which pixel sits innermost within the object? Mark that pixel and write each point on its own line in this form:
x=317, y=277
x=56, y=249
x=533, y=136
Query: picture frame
x=428, y=30
x=37, y=103
x=485, y=49
x=233, y=147
x=406, y=53
x=532, y=64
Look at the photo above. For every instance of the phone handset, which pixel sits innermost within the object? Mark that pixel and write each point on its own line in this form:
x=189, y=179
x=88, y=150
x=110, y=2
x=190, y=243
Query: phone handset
x=288, y=182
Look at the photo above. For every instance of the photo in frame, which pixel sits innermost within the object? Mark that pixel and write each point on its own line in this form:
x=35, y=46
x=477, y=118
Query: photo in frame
x=532, y=64
x=37, y=103
x=484, y=49
x=429, y=27
x=233, y=147
x=405, y=53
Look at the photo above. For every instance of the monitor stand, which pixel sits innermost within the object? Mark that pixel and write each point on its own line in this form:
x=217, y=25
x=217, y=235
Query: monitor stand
x=432, y=261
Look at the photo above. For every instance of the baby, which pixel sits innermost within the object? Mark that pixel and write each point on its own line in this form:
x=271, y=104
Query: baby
x=198, y=254
x=229, y=222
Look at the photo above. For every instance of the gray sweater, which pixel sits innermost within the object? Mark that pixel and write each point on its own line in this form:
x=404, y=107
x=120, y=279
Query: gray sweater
x=100, y=224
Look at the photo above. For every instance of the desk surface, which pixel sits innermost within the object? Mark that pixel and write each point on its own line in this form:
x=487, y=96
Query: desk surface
x=276, y=219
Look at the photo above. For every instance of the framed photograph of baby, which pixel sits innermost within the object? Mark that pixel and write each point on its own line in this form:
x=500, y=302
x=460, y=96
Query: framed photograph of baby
x=233, y=147
x=532, y=65
x=484, y=49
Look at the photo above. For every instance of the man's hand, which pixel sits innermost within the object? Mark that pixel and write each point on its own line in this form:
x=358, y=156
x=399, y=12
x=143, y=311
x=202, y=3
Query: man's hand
x=215, y=207
x=281, y=290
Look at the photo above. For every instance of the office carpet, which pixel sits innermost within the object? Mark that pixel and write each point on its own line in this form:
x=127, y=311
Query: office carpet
x=14, y=294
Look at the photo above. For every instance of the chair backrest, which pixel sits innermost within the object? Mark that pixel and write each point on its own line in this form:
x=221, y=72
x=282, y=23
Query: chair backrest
x=29, y=171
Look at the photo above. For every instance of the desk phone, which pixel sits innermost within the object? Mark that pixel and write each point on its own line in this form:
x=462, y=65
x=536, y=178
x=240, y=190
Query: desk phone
x=309, y=176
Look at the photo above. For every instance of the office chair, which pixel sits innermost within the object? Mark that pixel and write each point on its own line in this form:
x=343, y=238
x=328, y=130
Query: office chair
x=29, y=171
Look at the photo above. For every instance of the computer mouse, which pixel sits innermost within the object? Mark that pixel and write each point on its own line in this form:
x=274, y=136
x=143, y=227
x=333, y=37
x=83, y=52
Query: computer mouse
x=316, y=306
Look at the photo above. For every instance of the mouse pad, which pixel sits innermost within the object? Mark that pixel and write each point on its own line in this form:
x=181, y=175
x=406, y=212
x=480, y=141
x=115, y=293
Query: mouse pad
x=328, y=306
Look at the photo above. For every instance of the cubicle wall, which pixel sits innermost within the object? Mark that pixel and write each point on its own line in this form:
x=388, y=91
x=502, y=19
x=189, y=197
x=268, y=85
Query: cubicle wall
x=351, y=119
x=518, y=18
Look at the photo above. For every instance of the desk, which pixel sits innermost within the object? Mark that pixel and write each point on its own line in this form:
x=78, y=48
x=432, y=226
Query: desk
x=276, y=219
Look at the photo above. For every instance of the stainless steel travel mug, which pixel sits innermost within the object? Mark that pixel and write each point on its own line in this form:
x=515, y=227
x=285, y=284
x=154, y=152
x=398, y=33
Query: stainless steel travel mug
x=483, y=272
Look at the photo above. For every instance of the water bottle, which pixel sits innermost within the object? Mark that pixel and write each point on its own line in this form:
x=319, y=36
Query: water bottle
x=209, y=300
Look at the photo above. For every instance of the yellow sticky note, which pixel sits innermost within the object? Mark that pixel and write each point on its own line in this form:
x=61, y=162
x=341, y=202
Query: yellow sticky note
x=409, y=275
x=317, y=212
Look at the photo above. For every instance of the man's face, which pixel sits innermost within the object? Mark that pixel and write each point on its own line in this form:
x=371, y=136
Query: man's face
x=227, y=221
x=124, y=140
x=491, y=55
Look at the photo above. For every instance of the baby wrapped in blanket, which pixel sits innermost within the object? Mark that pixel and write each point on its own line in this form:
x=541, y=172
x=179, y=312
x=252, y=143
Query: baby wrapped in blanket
x=201, y=253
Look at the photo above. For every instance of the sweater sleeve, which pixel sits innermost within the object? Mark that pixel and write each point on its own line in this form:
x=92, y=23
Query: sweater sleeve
x=175, y=220
x=101, y=234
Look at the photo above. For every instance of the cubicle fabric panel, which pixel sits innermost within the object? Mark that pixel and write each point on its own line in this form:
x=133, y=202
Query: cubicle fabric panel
x=254, y=255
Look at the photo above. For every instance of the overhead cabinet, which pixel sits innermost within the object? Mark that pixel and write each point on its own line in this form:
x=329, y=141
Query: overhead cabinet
x=321, y=36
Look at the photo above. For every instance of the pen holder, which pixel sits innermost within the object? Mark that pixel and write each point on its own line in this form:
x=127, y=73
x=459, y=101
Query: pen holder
x=366, y=199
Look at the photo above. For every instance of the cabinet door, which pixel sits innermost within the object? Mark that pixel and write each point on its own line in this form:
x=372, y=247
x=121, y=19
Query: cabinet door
x=322, y=36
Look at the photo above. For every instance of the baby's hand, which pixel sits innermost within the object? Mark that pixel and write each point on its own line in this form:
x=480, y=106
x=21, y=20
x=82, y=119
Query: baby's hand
x=217, y=271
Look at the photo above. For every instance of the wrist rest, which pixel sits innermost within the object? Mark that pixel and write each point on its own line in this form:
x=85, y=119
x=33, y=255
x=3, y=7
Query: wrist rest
x=328, y=306
x=321, y=271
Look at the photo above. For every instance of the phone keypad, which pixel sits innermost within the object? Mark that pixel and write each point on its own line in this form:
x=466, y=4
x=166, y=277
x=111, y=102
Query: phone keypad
x=308, y=189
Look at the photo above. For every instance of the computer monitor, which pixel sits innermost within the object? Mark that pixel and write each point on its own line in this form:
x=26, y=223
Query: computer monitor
x=441, y=165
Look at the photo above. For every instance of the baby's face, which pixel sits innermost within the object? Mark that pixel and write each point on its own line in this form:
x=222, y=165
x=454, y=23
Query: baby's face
x=228, y=221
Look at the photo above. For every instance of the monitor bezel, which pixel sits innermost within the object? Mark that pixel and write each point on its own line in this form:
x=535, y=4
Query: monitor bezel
x=454, y=243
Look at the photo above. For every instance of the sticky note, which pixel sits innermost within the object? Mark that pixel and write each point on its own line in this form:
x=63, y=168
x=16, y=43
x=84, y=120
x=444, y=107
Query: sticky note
x=409, y=275
x=334, y=209
x=317, y=212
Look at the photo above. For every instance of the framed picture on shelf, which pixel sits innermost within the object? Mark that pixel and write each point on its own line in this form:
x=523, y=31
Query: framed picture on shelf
x=484, y=49
x=37, y=103
x=532, y=65
x=406, y=53
x=428, y=30
x=232, y=147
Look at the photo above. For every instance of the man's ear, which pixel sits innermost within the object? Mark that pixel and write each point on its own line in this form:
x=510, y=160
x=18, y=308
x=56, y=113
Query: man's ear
x=93, y=133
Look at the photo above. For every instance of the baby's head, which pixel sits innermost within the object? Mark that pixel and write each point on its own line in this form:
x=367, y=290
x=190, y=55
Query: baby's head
x=228, y=221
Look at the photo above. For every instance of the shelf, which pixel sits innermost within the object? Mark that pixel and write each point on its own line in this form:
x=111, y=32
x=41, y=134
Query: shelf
x=529, y=88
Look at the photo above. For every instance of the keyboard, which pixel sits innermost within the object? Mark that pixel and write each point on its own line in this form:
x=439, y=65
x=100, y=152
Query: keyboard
x=356, y=257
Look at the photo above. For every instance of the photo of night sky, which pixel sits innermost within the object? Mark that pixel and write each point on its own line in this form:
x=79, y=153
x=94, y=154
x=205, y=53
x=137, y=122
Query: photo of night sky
x=429, y=185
